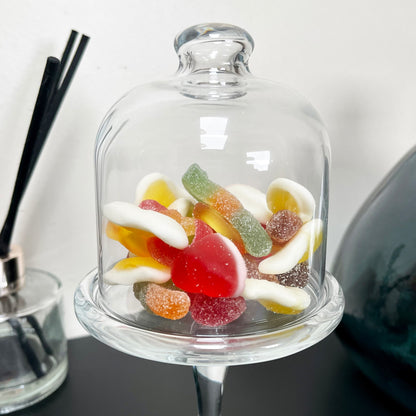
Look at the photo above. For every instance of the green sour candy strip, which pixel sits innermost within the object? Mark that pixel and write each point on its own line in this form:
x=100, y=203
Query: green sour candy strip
x=256, y=240
x=196, y=182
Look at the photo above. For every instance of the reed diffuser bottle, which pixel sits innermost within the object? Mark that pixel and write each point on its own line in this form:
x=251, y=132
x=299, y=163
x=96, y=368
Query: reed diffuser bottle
x=33, y=349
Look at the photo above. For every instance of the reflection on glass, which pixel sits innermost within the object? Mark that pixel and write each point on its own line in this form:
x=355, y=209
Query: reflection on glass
x=260, y=160
x=213, y=135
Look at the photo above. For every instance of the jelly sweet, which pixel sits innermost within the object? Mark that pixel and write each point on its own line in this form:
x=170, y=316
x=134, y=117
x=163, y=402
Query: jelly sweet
x=283, y=225
x=212, y=266
x=256, y=240
x=297, y=277
x=164, y=300
x=210, y=311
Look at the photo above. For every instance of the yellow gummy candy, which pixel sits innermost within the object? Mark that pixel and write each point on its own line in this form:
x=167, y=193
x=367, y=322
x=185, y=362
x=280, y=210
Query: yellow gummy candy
x=133, y=239
x=281, y=200
x=284, y=193
x=135, y=262
x=317, y=240
x=160, y=191
x=276, y=308
x=218, y=223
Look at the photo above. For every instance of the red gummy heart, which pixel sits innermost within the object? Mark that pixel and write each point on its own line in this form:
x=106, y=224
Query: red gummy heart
x=212, y=265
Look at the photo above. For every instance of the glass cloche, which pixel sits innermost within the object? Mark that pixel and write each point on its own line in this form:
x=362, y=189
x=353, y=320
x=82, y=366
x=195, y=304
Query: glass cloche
x=212, y=203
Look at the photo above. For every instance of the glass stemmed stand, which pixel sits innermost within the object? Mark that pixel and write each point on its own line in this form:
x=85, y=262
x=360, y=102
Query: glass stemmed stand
x=211, y=350
x=212, y=117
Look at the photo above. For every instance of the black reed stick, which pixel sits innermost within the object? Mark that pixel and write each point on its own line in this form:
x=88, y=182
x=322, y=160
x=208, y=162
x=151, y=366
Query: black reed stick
x=51, y=93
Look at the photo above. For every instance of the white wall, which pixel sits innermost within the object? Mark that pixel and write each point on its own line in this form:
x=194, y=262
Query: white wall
x=355, y=60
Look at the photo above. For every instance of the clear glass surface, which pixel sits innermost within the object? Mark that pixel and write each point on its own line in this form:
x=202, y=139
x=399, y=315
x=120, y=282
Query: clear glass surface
x=250, y=159
x=33, y=359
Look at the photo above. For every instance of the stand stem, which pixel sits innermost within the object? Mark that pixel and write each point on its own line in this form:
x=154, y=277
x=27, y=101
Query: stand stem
x=209, y=387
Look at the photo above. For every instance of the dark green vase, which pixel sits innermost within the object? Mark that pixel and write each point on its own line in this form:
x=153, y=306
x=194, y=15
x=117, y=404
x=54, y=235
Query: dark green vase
x=376, y=267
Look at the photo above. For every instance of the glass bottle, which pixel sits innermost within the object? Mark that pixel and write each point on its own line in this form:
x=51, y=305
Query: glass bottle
x=33, y=358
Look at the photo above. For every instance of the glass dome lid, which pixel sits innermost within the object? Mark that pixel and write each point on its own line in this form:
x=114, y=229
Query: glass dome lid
x=212, y=196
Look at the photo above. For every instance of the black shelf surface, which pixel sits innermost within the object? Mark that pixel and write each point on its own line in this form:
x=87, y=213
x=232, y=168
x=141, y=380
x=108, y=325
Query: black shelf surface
x=319, y=381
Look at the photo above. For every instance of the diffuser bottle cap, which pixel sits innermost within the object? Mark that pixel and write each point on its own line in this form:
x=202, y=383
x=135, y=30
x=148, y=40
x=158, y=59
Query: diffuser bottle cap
x=11, y=272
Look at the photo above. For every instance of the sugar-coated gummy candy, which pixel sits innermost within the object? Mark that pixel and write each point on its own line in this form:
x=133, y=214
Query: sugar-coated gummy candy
x=297, y=277
x=218, y=223
x=283, y=225
x=252, y=265
x=256, y=240
x=164, y=300
x=284, y=193
x=137, y=269
x=214, y=312
x=212, y=265
x=151, y=205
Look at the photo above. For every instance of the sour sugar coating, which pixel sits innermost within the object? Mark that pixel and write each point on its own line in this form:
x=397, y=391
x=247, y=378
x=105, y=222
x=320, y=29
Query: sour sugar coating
x=252, y=264
x=212, y=266
x=297, y=277
x=283, y=225
x=164, y=300
x=214, y=312
x=256, y=240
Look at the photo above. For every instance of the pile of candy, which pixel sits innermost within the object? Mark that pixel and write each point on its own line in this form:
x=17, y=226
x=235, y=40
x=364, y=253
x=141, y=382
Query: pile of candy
x=206, y=249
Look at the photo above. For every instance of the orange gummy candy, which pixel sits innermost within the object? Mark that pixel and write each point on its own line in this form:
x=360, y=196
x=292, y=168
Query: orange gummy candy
x=225, y=203
x=164, y=300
